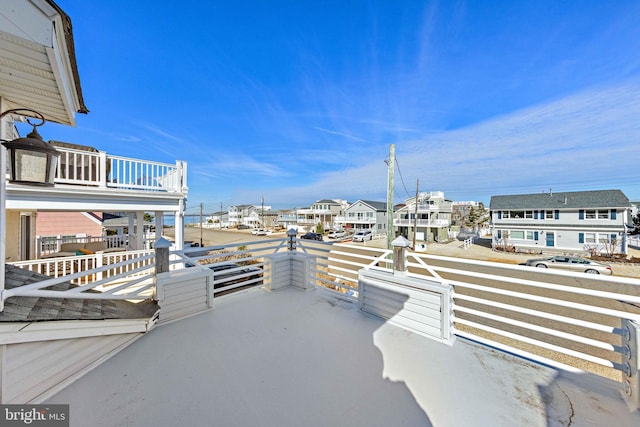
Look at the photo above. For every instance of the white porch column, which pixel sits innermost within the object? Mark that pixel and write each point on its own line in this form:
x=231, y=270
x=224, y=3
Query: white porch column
x=179, y=227
x=139, y=230
x=159, y=224
x=130, y=232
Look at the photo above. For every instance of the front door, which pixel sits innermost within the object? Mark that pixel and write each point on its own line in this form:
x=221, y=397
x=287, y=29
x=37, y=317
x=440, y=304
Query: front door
x=25, y=237
x=550, y=239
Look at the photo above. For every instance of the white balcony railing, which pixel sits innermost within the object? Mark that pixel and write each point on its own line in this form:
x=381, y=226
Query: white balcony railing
x=421, y=222
x=49, y=245
x=355, y=220
x=97, y=168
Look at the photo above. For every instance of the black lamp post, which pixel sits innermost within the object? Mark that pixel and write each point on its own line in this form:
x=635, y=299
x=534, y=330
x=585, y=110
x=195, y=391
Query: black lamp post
x=32, y=161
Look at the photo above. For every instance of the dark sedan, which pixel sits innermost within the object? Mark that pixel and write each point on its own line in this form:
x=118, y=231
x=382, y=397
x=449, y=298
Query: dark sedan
x=312, y=236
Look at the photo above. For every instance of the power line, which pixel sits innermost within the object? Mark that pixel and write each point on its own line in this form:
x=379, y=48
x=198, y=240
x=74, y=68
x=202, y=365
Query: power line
x=402, y=179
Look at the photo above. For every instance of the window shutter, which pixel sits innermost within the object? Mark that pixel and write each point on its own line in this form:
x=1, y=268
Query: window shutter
x=499, y=217
x=535, y=235
x=613, y=214
x=556, y=214
x=499, y=234
x=581, y=214
x=613, y=237
x=535, y=214
x=580, y=237
x=541, y=214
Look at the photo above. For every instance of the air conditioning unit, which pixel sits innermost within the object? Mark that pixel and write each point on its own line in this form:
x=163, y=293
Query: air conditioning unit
x=421, y=247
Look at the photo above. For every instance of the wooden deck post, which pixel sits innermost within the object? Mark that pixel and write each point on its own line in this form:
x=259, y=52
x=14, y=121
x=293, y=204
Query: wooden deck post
x=400, y=245
x=162, y=255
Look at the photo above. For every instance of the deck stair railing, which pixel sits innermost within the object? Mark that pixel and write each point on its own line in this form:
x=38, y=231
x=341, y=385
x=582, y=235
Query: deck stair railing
x=113, y=267
x=130, y=277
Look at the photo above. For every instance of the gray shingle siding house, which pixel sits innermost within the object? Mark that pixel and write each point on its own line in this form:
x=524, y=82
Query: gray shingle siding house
x=570, y=221
x=365, y=215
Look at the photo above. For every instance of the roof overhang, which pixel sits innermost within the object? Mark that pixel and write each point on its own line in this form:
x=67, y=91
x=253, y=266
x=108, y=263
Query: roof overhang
x=69, y=198
x=38, y=67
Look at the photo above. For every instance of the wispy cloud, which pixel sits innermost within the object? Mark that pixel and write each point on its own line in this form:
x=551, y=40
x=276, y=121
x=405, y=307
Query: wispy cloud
x=346, y=135
x=585, y=140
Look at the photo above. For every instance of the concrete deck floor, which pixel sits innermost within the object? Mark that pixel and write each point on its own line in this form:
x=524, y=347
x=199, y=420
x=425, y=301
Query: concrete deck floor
x=294, y=358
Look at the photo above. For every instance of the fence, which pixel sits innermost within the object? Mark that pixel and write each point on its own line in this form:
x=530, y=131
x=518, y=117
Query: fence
x=569, y=320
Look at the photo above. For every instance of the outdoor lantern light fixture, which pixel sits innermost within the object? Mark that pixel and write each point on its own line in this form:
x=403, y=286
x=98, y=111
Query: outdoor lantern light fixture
x=31, y=160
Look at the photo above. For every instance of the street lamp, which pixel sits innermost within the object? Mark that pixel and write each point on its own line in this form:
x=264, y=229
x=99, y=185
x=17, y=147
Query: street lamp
x=32, y=161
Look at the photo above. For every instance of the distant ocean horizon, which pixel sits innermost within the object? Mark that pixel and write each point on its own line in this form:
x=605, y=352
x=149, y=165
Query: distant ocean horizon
x=170, y=220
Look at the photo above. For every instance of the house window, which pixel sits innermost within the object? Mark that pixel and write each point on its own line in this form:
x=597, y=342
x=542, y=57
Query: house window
x=603, y=238
x=529, y=235
x=528, y=214
x=505, y=214
x=590, y=214
x=589, y=237
x=548, y=215
x=517, y=214
x=603, y=214
x=517, y=234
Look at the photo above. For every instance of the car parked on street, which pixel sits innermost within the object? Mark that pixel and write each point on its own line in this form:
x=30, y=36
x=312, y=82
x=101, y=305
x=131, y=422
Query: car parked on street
x=260, y=232
x=362, y=236
x=337, y=234
x=312, y=236
x=570, y=263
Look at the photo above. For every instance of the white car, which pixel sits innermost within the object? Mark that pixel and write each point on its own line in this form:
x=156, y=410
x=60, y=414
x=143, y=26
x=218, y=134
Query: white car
x=362, y=236
x=337, y=234
x=261, y=232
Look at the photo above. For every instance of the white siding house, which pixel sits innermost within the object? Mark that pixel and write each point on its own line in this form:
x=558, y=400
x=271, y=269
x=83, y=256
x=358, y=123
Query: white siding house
x=364, y=215
x=321, y=212
x=583, y=221
x=430, y=219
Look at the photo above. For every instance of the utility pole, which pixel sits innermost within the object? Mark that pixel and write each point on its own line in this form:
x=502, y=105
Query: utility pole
x=262, y=211
x=201, y=225
x=415, y=216
x=221, y=214
x=390, y=186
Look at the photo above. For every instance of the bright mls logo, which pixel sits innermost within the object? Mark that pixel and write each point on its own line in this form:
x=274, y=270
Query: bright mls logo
x=34, y=415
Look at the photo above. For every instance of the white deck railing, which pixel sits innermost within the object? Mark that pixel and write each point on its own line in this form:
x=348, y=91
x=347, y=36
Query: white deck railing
x=421, y=222
x=127, y=263
x=99, y=169
x=570, y=320
x=118, y=275
x=49, y=245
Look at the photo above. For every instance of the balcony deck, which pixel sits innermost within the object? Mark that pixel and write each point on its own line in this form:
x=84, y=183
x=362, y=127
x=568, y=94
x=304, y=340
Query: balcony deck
x=290, y=357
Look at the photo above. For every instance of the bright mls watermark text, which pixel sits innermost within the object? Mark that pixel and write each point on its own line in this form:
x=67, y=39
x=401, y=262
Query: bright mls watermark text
x=34, y=415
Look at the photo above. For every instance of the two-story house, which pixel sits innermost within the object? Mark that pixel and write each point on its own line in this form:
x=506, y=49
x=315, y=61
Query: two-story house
x=428, y=215
x=218, y=219
x=571, y=221
x=251, y=215
x=364, y=215
x=321, y=212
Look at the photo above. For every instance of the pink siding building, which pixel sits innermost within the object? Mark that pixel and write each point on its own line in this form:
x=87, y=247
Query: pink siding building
x=69, y=223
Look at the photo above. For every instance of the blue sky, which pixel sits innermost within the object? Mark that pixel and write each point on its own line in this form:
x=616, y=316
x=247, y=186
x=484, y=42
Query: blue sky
x=298, y=101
